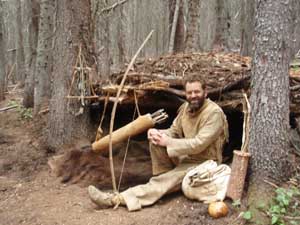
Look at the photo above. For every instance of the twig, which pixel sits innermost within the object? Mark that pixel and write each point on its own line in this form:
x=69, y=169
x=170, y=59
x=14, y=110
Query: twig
x=74, y=73
x=233, y=222
x=296, y=147
x=99, y=98
x=99, y=130
x=295, y=88
x=113, y=6
x=113, y=113
x=295, y=78
x=85, y=97
x=292, y=217
x=216, y=92
x=247, y=111
x=284, y=217
x=43, y=111
x=12, y=49
x=11, y=70
x=8, y=108
x=272, y=184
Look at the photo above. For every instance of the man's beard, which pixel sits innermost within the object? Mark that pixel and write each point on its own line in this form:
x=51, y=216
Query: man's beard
x=196, y=104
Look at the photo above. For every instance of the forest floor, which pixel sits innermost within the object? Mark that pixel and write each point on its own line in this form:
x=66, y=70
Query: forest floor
x=31, y=194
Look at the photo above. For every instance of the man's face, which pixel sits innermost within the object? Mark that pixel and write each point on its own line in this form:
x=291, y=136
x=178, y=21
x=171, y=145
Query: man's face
x=195, y=95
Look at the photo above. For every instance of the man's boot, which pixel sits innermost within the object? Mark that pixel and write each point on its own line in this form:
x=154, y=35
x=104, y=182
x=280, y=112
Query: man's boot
x=104, y=199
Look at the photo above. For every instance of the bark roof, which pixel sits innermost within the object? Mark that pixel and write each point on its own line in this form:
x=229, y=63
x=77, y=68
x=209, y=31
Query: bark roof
x=226, y=74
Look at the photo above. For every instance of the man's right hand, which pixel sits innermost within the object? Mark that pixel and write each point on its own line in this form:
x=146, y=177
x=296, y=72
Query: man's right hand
x=153, y=135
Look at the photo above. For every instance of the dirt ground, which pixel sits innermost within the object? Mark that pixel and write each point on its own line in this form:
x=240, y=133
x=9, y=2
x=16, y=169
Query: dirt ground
x=31, y=194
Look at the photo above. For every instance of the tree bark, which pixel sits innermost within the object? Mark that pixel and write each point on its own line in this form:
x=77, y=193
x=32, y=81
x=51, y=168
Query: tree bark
x=174, y=26
x=72, y=30
x=296, y=24
x=180, y=31
x=44, y=61
x=10, y=37
x=2, y=55
x=192, y=34
x=269, y=143
x=247, y=24
x=30, y=41
x=221, y=27
x=20, y=72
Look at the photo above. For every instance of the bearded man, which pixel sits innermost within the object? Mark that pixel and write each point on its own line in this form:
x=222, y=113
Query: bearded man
x=197, y=134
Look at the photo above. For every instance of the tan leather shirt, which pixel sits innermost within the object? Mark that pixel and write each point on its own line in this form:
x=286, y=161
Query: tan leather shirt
x=198, y=136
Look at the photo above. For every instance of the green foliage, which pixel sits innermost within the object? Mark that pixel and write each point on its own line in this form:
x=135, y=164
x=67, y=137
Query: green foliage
x=25, y=113
x=13, y=103
x=283, y=210
x=261, y=206
x=236, y=203
x=295, y=68
x=285, y=206
x=247, y=215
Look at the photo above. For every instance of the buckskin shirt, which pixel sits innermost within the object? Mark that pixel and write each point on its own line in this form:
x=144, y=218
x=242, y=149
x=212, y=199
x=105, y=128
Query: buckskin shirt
x=197, y=137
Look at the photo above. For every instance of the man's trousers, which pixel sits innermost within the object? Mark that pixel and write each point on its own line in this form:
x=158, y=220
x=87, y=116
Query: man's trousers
x=168, y=175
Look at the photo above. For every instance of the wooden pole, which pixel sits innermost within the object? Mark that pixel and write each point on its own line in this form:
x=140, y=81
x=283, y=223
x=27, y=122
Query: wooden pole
x=113, y=113
x=240, y=159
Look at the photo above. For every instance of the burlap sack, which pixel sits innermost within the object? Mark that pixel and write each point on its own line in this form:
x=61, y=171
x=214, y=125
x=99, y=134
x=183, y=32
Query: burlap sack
x=206, y=182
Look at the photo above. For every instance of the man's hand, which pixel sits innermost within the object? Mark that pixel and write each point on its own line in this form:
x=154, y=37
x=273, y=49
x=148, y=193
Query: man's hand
x=158, y=137
x=152, y=135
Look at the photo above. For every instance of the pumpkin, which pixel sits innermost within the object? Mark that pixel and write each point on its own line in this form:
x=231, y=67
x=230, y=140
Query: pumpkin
x=217, y=209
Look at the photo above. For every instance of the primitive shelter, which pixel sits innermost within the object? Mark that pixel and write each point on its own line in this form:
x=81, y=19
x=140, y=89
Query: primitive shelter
x=158, y=83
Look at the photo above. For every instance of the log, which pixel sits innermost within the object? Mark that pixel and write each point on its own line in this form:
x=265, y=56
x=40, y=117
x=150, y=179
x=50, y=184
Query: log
x=238, y=174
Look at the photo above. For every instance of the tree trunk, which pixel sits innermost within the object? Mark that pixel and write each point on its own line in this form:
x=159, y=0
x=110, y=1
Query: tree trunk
x=180, y=31
x=221, y=27
x=72, y=30
x=174, y=26
x=269, y=143
x=2, y=55
x=296, y=24
x=192, y=34
x=44, y=55
x=9, y=12
x=247, y=24
x=31, y=21
x=19, y=45
x=103, y=40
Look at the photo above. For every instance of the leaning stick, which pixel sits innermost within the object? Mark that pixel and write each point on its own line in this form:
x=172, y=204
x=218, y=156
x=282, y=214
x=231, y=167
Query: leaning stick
x=113, y=113
x=8, y=108
x=113, y=6
x=240, y=158
x=247, y=113
x=11, y=71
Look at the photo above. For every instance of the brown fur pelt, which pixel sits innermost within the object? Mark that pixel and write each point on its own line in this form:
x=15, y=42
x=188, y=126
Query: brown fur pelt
x=85, y=167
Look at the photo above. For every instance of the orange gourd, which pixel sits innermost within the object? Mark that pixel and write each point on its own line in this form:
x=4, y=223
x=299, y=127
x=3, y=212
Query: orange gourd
x=217, y=209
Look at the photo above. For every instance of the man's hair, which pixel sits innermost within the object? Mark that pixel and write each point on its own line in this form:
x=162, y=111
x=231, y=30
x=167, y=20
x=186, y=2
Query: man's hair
x=194, y=78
